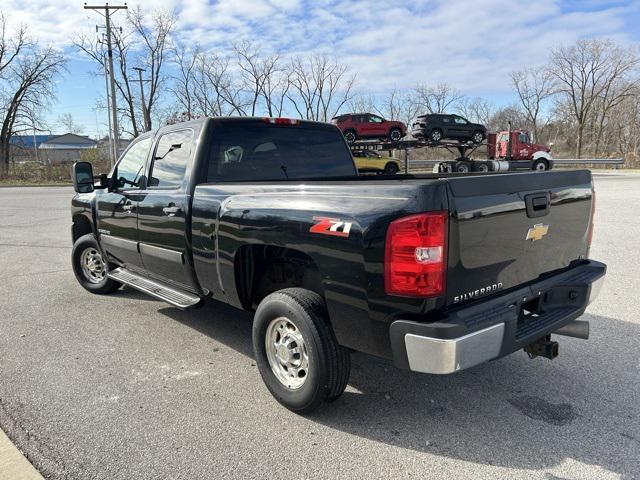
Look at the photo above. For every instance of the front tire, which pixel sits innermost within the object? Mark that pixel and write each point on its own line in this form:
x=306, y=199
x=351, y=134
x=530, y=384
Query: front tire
x=90, y=268
x=477, y=137
x=391, y=168
x=296, y=352
x=540, y=165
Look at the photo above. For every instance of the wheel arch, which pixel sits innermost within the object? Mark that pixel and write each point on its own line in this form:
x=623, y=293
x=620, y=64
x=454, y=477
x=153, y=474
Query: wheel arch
x=263, y=269
x=81, y=226
x=541, y=155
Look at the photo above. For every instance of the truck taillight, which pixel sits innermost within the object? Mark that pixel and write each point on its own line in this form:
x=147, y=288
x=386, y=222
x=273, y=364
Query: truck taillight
x=416, y=255
x=593, y=213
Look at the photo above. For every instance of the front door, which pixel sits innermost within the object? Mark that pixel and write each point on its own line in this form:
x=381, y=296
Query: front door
x=116, y=209
x=375, y=125
x=163, y=208
x=460, y=127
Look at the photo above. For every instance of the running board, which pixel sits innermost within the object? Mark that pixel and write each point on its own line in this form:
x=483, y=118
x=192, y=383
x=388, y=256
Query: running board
x=161, y=291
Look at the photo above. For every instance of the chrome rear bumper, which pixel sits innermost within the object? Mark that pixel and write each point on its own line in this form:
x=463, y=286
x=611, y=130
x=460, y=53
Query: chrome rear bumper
x=496, y=327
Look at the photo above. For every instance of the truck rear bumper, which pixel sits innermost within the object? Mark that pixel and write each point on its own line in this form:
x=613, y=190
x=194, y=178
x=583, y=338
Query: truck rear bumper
x=496, y=327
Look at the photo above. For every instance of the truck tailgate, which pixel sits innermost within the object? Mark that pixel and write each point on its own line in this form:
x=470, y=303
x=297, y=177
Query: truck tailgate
x=507, y=230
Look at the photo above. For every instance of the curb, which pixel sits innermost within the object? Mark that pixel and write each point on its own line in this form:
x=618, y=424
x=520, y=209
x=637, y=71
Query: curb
x=14, y=465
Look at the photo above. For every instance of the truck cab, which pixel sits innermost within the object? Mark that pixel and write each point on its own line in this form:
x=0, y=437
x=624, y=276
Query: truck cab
x=516, y=147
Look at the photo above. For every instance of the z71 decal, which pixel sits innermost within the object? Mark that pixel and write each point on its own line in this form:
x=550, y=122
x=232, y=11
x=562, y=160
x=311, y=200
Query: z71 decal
x=331, y=226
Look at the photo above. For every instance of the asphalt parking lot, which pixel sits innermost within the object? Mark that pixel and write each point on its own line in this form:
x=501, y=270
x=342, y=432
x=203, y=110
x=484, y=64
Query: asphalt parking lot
x=124, y=387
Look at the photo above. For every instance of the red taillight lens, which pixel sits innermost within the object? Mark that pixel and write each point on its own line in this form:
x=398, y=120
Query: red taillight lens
x=593, y=212
x=416, y=255
x=281, y=121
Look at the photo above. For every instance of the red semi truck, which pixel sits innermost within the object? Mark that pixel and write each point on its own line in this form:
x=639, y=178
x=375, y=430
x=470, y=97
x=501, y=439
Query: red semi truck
x=521, y=153
x=507, y=150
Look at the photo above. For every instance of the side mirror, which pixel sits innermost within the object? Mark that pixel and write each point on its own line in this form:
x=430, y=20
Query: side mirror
x=82, y=174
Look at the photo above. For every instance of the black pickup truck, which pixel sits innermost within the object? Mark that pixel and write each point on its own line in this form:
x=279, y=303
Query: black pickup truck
x=436, y=272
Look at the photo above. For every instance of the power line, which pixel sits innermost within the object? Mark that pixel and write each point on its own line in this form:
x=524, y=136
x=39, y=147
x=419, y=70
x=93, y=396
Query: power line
x=114, y=109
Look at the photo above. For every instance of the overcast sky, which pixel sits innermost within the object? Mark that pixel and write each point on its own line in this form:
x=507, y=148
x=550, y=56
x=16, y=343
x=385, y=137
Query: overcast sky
x=473, y=45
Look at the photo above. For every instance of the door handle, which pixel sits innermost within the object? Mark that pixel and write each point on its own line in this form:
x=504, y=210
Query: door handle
x=128, y=207
x=171, y=210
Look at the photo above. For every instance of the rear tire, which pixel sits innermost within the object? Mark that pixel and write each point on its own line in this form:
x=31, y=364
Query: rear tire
x=436, y=135
x=90, y=268
x=462, y=167
x=395, y=134
x=291, y=335
x=350, y=136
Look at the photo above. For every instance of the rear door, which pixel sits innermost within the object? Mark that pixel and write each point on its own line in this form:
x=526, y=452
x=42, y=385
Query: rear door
x=117, y=209
x=163, y=210
x=510, y=229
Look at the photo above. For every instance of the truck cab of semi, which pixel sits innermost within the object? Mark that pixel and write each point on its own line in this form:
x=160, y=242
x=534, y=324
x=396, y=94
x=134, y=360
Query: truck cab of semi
x=516, y=147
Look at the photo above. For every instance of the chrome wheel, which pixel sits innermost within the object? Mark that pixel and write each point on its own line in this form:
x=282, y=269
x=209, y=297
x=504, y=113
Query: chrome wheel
x=287, y=353
x=395, y=135
x=93, y=267
x=477, y=137
x=436, y=135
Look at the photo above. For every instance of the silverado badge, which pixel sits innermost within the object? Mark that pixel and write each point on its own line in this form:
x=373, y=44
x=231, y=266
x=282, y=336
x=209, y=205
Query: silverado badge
x=536, y=232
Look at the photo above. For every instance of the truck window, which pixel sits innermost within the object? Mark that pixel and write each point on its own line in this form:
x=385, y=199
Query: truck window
x=131, y=165
x=277, y=152
x=524, y=138
x=172, y=154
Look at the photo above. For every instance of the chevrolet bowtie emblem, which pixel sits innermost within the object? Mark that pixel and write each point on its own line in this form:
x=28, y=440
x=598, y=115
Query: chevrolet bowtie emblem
x=536, y=232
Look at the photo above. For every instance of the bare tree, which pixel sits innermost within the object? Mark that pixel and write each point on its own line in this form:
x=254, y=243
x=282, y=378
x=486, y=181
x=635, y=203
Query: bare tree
x=476, y=110
x=139, y=43
x=534, y=87
x=27, y=85
x=155, y=41
x=442, y=98
x=399, y=105
x=68, y=123
x=184, y=82
x=320, y=86
x=588, y=71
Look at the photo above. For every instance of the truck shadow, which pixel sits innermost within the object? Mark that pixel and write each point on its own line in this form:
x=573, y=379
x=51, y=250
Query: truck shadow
x=513, y=412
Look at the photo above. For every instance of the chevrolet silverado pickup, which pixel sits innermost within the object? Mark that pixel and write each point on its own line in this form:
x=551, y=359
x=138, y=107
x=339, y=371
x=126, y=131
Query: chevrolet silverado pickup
x=437, y=273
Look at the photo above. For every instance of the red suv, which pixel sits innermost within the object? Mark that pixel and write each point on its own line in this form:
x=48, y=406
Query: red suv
x=368, y=125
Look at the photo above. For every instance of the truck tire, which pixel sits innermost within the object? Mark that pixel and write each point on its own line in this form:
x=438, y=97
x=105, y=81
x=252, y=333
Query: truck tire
x=296, y=352
x=436, y=135
x=482, y=167
x=90, y=268
x=350, y=136
x=540, y=165
x=463, y=167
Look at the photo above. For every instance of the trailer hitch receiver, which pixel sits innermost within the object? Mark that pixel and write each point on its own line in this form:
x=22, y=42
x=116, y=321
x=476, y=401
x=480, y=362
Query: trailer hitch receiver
x=543, y=347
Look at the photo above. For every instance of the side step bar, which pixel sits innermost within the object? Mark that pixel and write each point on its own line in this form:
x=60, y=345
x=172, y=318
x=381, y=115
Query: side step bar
x=162, y=291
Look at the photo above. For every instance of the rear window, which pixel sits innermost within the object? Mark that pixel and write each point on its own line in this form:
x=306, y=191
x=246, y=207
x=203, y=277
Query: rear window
x=278, y=152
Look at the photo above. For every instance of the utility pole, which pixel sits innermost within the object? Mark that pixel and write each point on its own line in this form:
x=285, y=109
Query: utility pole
x=113, y=155
x=114, y=109
x=145, y=112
